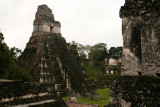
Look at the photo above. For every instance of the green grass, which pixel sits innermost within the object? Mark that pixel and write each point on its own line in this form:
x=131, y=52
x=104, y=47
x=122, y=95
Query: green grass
x=65, y=98
x=104, y=93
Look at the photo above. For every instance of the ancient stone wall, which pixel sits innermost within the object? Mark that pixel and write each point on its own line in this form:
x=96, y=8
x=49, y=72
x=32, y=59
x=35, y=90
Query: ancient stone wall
x=141, y=36
x=14, y=93
x=140, y=91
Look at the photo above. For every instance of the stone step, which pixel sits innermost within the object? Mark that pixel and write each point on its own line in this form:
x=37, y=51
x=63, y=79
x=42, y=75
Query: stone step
x=46, y=103
x=21, y=101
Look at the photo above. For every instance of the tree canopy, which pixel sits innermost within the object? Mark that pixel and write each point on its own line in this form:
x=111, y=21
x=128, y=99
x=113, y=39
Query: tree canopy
x=9, y=68
x=92, y=58
x=115, y=52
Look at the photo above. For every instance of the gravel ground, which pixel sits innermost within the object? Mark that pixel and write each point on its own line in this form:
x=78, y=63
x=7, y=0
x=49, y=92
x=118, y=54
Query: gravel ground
x=77, y=104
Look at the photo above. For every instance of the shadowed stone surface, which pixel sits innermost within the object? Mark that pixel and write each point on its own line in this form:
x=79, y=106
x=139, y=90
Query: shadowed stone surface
x=140, y=91
x=141, y=36
x=20, y=94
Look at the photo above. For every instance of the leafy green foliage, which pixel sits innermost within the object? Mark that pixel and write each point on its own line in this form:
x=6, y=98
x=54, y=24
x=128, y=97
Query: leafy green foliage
x=98, y=52
x=96, y=58
x=9, y=68
x=115, y=52
x=91, y=71
x=92, y=58
x=79, y=51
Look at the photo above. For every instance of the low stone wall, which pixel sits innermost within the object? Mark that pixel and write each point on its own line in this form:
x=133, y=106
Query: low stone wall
x=47, y=103
x=19, y=93
x=141, y=91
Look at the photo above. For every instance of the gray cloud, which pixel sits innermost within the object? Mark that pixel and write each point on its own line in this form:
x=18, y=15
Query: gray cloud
x=84, y=21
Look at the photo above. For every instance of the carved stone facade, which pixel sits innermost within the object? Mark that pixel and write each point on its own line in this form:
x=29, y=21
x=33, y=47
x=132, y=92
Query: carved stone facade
x=141, y=36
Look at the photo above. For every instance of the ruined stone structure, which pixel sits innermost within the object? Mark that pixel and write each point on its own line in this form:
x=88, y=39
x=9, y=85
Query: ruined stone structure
x=113, y=63
x=44, y=21
x=141, y=56
x=20, y=94
x=141, y=36
x=49, y=58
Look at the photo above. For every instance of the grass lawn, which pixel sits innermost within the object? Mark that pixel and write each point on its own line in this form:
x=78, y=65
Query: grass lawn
x=104, y=93
x=65, y=98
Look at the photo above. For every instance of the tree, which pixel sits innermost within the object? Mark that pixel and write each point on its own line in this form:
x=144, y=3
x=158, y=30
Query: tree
x=79, y=51
x=1, y=37
x=115, y=52
x=73, y=48
x=98, y=52
x=9, y=68
x=96, y=56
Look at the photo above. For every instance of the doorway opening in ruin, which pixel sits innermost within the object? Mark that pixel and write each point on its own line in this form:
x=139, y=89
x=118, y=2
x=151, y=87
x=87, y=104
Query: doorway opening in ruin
x=136, y=42
x=139, y=73
x=51, y=29
x=158, y=74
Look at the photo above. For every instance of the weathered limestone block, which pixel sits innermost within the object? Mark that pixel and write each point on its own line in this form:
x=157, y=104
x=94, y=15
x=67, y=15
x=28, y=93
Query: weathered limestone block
x=113, y=61
x=56, y=28
x=141, y=36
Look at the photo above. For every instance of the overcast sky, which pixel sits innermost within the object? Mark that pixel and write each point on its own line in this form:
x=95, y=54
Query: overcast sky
x=84, y=21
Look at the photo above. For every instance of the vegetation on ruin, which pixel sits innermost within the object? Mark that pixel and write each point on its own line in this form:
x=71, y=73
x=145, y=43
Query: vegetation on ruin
x=9, y=67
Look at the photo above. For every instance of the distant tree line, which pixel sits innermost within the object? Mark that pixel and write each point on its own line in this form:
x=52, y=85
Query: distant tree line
x=93, y=58
x=9, y=67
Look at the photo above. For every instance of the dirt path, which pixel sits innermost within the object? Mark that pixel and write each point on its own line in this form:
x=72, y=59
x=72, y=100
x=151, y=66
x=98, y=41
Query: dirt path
x=77, y=104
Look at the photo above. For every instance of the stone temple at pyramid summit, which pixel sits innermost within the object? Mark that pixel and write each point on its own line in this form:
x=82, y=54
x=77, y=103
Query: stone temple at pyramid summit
x=44, y=21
